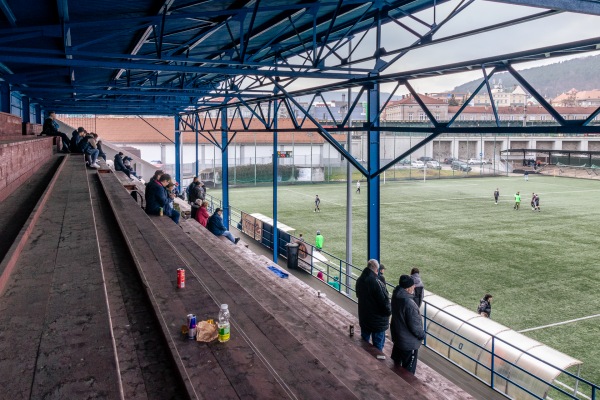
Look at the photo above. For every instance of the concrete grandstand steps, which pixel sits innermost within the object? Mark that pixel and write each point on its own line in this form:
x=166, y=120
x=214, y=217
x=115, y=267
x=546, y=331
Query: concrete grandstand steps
x=55, y=340
x=308, y=315
x=233, y=370
x=16, y=209
x=316, y=354
x=146, y=366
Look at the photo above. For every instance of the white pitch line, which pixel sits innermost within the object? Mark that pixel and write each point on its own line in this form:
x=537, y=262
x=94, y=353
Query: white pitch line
x=560, y=323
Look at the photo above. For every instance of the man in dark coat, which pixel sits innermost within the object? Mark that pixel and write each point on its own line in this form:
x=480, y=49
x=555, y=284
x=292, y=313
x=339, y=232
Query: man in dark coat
x=373, y=305
x=157, y=198
x=215, y=225
x=51, y=129
x=407, y=325
x=120, y=166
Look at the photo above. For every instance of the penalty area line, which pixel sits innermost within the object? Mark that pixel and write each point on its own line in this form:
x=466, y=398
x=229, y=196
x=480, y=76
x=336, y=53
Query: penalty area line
x=560, y=323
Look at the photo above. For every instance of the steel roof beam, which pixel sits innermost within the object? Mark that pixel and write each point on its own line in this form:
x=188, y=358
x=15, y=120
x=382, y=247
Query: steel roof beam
x=125, y=65
x=582, y=7
x=12, y=20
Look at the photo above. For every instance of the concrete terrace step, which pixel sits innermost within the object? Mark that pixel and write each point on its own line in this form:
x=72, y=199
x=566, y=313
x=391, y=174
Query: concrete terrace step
x=55, y=340
x=327, y=342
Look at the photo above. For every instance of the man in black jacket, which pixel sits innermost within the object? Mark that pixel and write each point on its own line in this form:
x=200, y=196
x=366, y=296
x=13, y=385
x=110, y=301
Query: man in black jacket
x=51, y=129
x=373, y=305
x=407, y=326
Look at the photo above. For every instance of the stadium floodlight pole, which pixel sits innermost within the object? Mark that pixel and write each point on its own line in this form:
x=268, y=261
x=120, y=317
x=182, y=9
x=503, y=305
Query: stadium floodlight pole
x=224, y=166
x=349, y=187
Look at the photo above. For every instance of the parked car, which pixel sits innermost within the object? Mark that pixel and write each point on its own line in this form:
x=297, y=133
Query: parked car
x=433, y=164
x=417, y=164
x=404, y=161
x=450, y=160
x=477, y=161
x=425, y=159
x=460, y=166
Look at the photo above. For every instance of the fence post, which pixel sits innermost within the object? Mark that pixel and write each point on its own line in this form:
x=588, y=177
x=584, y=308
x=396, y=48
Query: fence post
x=493, y=357
x=425, y=323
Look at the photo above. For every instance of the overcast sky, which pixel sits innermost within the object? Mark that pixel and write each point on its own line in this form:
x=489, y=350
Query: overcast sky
x=561, y=28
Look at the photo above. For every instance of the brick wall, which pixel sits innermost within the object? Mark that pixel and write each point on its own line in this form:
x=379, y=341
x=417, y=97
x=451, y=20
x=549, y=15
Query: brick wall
x=19, y=159
x=32, y=129
x=10, y=125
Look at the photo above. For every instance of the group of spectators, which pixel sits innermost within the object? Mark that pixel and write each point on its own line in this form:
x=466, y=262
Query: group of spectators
x=214, y=223
x=159, y=196
x=81, y=141
x=123, y=163
x=375, y=309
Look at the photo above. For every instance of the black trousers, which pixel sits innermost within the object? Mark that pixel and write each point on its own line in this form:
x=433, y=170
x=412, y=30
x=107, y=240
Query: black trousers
x=406, y=359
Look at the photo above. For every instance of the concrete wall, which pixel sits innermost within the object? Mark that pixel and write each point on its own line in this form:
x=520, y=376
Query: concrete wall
x=19, y=160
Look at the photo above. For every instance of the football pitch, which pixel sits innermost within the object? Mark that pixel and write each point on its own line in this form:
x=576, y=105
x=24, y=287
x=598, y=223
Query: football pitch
x=542, y=268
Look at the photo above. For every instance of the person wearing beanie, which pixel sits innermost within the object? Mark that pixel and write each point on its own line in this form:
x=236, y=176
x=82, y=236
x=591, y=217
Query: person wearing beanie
x=407, y=326
x=373, y=305
x=419, y=287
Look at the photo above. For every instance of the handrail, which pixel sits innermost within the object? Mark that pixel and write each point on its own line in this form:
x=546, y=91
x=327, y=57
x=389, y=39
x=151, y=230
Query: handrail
x=326, y=267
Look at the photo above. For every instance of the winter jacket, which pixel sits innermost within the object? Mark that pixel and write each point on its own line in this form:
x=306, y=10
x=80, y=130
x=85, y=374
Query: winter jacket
x=319, y=241
x=215, y=225
x=195, y=192
x=407, y=325
x=486, y=307
x=156, y=197
x=50, y=127
x=75, y=138
x=119, y=166
x=373, y=302
x=202, y=216
x=419, y=289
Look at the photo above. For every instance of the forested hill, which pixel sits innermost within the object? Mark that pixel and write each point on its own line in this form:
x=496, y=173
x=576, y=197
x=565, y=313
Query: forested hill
x=552, y=80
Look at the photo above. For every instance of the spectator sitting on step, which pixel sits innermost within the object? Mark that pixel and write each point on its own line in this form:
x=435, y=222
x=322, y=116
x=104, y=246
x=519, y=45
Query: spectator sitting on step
x=76, y=136
x=87, y=145
x=171, y=196
x=127, y=162
x=120, y=165
x=202, y=215
x=101, y=152
x=215, y=225
x=335, y=283
x=157, y=198
x=51, y=129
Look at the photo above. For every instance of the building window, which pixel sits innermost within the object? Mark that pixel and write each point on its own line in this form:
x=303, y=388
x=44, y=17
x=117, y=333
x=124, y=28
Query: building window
x=410, y=116
x=421, y=116
x=16, y=106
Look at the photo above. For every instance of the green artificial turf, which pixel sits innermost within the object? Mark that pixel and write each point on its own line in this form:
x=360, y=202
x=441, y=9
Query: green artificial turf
x=541, y=267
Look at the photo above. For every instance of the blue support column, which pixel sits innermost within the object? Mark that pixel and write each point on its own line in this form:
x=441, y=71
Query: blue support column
x=4, y=97
x=25, y=106
x=225, y=167
x=38, y=114
x=275, y=174
x=373, y=195
x=177, y=151
x=196, y=130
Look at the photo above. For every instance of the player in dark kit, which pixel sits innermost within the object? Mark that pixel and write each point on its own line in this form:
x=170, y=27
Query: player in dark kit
x=496, y=195
x=317, y=202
